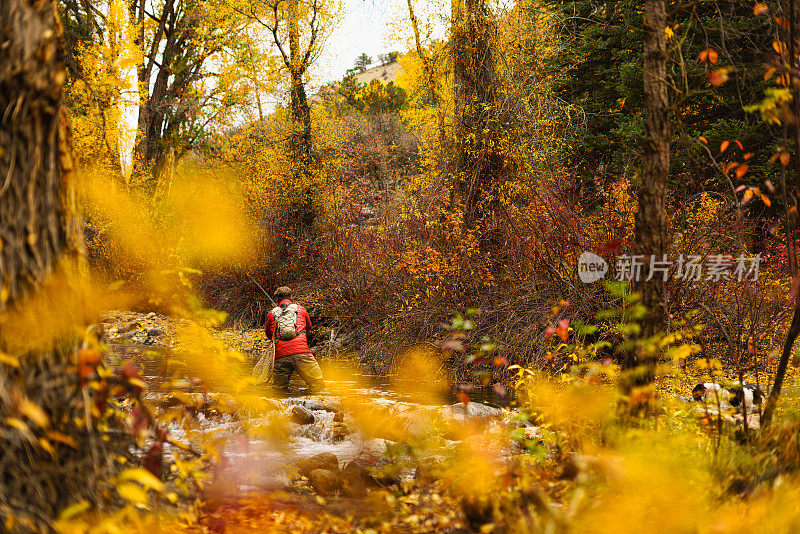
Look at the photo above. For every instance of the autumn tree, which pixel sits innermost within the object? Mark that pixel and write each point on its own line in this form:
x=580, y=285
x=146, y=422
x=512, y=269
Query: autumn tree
x=478, y=164
x=296, y=27
x=363, y=62
x=429, y=68
x=185, y=44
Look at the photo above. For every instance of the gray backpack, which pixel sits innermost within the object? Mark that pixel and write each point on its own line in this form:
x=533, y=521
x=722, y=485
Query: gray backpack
x=286, y=322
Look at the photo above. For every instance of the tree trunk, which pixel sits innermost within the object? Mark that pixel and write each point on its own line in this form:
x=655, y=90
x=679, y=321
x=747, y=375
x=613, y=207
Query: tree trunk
x=478, y=166
x=39, y=222
x=301, y=113
x=40, y=236
x=651, y=218
x=300, y=143
x=794, y=328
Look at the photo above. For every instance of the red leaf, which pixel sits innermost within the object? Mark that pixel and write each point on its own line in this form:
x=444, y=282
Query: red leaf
x=548, y=332
x=138, y=420
x=739, y=143
x=154, y=459
x=611, y=246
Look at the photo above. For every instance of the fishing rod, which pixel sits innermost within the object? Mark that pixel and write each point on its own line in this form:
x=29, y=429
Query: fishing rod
x=262, y=289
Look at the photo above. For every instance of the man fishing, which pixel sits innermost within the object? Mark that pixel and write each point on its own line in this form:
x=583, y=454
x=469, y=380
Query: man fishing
x=287, y=326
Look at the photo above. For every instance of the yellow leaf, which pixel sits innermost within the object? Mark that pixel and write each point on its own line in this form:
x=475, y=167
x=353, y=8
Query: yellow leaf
x=132, y=492
x=143, y=477
x=62, y=438
x=34, y=413
x=137, y=382
x=47, y=446
x=9, y=359
x=74, y=509
x=17, y=423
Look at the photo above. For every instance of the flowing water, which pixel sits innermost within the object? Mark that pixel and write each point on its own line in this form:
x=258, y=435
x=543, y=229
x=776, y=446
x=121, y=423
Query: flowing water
x=259, y=460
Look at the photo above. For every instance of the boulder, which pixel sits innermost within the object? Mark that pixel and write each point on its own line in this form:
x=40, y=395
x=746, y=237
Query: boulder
x=126, y=335
x=355, y=481
x=371, y=469
x=325, y=460
x=341, y=431
x=128, y=327
x=319, y=403
x=155, y=332
x=325, y=481
x=473, y=411
x=301, y=415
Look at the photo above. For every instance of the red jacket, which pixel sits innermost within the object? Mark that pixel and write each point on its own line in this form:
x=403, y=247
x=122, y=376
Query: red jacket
x=299, y=344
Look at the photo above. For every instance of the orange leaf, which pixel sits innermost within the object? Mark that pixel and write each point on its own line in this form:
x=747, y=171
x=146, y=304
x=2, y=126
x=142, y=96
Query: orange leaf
x=765, y=199
x=739, y=143
x=769, y=73
x=785, y=158
x=718, y=77
x=463, y=397
x=724, y=146
x=747, y=196
x=741, y=170
x=779, y=47
x=760, y=9
x=702, y=140
x=748, y=156
x=709, y=55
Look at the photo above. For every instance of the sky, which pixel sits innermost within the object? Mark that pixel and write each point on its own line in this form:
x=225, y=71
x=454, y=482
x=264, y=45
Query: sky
x=367, y=27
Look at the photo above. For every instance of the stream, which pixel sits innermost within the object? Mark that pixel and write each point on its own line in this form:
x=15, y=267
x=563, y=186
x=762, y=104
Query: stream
x=259, y=460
